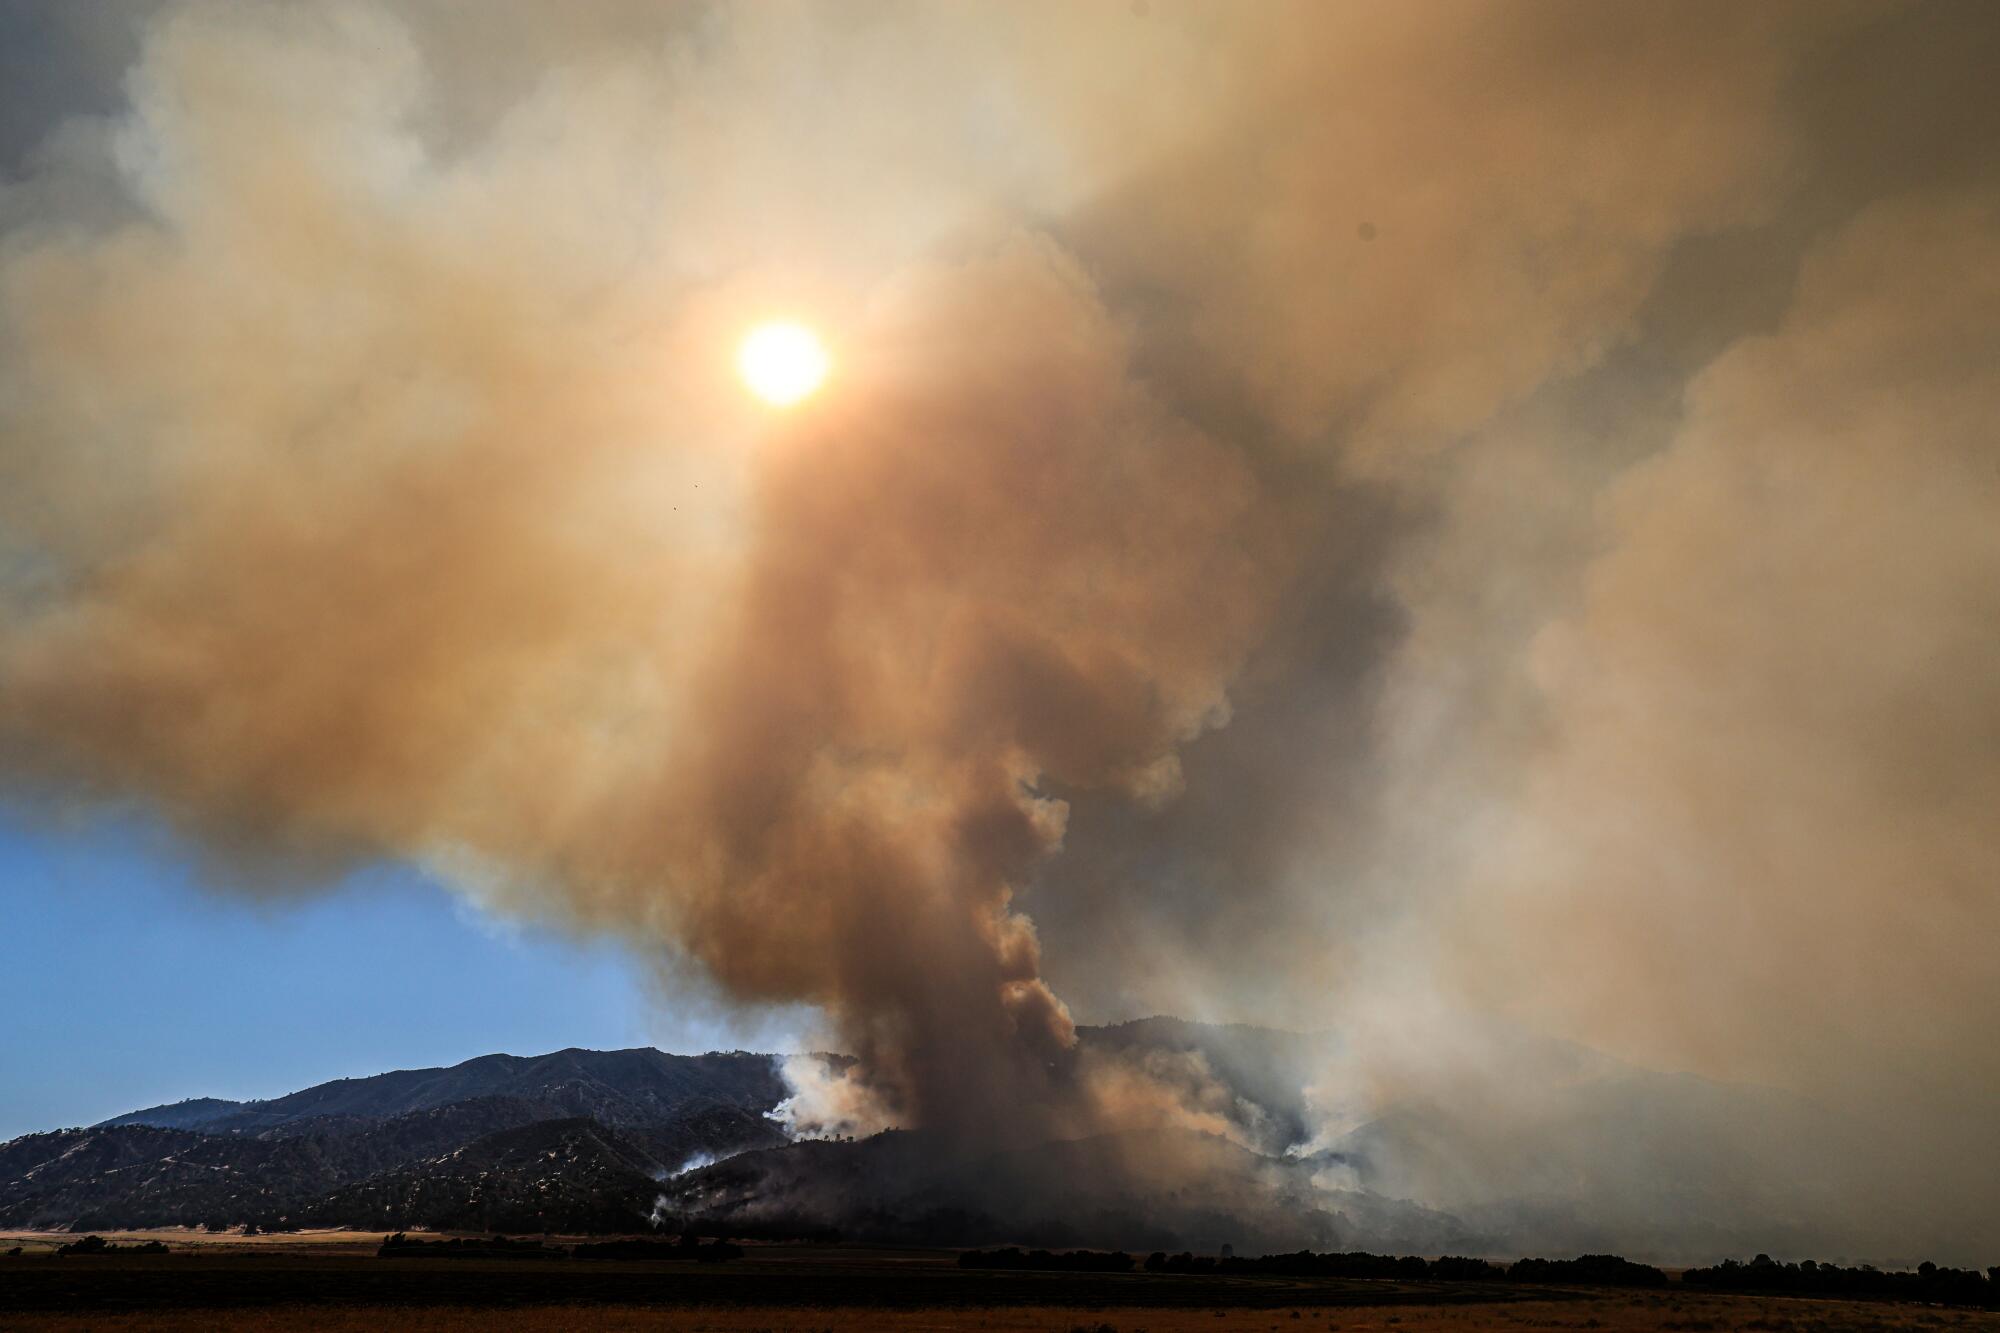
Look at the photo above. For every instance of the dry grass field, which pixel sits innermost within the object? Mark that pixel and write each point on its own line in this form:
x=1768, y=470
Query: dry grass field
x=329, y=1241
x=1666, y=1313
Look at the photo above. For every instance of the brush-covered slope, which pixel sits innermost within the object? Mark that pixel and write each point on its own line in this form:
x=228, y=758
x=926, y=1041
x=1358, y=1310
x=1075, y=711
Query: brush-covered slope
x=1154, y=1189
x=555, y=1175
x=1504, y=1145
x=277, y=1162
x=640, y=1086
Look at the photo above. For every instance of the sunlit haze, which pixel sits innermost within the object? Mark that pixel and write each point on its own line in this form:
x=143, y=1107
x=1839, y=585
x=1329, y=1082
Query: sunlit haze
x=782, y=362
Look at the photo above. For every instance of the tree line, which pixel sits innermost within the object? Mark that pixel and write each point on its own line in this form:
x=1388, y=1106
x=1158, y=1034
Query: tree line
x=1597, y=1270
x=1930, y=1283
x=1941, y=1286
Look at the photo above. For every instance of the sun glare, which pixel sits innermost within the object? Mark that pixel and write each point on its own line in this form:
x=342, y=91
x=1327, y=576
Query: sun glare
x=782, y=363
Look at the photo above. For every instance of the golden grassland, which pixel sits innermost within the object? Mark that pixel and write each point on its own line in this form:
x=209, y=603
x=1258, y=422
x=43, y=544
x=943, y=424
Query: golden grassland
x=1666, y=1312
x=328, y=1241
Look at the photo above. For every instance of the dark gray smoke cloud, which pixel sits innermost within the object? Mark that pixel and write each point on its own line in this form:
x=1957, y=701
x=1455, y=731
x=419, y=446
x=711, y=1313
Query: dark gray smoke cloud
x=1390, y=519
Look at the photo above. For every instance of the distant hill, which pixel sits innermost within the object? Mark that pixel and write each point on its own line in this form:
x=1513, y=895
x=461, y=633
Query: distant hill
x=575, y=1139
x=641, y=1086
x=1533, y=1146
x=190, y=1114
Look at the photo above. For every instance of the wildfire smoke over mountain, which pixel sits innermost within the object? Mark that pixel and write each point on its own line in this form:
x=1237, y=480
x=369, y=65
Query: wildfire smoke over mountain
x=1355, y=515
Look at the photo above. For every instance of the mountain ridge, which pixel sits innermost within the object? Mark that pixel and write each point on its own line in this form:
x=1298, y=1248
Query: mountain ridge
x=650, y=1083
x=1532, y=1146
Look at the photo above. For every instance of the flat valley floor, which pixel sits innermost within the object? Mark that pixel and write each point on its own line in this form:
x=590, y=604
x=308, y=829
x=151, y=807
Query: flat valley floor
x=332, y=1281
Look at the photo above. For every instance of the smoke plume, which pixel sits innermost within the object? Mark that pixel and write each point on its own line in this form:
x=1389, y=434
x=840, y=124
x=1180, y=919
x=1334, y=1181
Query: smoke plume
x=362, y=514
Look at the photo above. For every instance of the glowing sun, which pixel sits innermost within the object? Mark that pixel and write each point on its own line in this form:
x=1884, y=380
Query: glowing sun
x=782, y=362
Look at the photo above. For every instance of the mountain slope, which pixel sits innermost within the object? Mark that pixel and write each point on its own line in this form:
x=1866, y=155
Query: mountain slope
x=1152, y=1189
x=220, y=1163
x=190, y=1114
x=640, y=1086
x=1507, y=1144
x=571, y=1175
x=136, y=1175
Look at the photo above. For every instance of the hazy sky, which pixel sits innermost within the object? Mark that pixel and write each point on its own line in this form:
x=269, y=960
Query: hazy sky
x=125, y=984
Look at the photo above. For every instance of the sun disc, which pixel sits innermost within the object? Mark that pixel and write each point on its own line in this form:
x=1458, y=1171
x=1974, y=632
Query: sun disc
x=782, y=362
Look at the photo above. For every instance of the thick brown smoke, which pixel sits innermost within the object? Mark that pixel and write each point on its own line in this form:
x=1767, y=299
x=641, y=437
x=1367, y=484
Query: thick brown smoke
x=363, y=514
x=1793, y=630
x=991, y=569
x=1351, y=513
